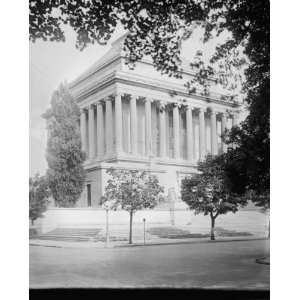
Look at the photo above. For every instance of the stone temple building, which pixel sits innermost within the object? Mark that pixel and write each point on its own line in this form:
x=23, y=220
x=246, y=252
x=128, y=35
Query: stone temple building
x=140, y=119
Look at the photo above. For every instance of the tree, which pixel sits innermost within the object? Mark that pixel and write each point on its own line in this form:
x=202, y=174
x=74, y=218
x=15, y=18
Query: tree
x=132, y=190
x=38, y=197
x=65, y=172
x=209, y=191
x=248, y=163
x=158, y=29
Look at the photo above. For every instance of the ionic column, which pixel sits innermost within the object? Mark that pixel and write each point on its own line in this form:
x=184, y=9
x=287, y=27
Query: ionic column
x=234, y=123
x=108, y=126
x=214, y=145
x=176, y=131
x=202, y=148
x=148, y=127
x=162, y=130
x=100, y=130
x=91, y=132
x=223, y=129
x=118, y=123
x=234, y=119
x=83, y=130
x=189, y=132
x=133, y=125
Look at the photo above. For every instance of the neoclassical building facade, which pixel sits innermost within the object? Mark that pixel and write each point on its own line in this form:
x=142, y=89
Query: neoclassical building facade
x=140, y=119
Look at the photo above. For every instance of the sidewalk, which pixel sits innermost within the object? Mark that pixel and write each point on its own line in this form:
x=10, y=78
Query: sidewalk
x=196, y=231
x=138, y=243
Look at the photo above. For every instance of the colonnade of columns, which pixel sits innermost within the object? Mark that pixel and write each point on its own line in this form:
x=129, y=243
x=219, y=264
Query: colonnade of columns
x=101, y=126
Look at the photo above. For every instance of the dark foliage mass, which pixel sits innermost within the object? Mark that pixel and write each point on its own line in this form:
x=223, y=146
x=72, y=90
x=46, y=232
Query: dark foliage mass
x=132, y=190
x=158, y=28
x=65, y=172
x=38, y=196
x=210, y=192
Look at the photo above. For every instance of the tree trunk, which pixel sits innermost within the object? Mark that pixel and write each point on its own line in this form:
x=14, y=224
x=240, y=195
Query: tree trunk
x=130, y=228
x=212, y=228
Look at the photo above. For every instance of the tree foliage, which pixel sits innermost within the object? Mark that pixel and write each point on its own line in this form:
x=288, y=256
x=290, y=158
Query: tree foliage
x=65, y=171
x=132, y=190
x=38, y=196
x=158, y=29
x=248, y=164
x=209, y=192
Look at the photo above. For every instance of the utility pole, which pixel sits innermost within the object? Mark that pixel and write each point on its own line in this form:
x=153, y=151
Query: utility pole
x=107, y=227
x=144, y=221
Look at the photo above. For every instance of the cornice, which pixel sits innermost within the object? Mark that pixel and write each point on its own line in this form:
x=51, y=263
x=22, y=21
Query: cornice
x=127, y=158
x=128, y=79
x=89, y=73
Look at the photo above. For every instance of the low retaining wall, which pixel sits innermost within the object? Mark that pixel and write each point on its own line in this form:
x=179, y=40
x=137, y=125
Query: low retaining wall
x=251, y=221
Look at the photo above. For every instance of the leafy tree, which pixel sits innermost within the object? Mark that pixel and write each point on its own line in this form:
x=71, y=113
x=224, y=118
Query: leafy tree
x=209, y=192
x=158, y=29
x=248, y=164
x=38, y=197
x=65, y=172
x=132, y=190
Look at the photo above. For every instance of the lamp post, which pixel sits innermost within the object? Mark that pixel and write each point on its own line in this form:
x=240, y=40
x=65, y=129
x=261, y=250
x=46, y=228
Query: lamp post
x=144, y=221
x=107, y=226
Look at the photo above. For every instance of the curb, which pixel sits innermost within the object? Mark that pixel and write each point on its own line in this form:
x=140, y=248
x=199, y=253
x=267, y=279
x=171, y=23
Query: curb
x=263, y=261
x=188, y=242
x=52, y=246
x=177, y=242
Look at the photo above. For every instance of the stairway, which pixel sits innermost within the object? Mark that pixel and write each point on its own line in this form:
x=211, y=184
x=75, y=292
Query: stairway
x=71, y=234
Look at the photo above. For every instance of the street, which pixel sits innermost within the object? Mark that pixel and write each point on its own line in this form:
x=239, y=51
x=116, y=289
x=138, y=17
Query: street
x=224, y=265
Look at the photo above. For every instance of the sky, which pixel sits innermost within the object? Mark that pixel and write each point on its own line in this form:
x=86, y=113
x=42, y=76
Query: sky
x=51, y=63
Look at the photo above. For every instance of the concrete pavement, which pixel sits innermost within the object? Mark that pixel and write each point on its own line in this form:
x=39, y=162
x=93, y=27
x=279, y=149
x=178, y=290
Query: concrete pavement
x=217, y=265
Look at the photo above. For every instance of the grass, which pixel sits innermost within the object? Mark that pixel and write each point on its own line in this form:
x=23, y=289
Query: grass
x=230, y=233
x=176, y=233
x=111, y=239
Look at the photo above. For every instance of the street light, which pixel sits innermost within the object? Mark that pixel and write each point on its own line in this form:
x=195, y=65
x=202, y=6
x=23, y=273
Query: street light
x=144, y=221
x=107, y=227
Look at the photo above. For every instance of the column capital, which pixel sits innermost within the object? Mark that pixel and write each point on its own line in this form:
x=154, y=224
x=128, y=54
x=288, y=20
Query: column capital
x=83, y=110
x=109, y=98
x=142, y=99
x=184, y=107
x=100, y=102
x=134, y=96
x=233, y=112
x=211, y=110
x=92, y=106
x=161, y=105
x=196, y=109
x=148, y=99
x=118, y=94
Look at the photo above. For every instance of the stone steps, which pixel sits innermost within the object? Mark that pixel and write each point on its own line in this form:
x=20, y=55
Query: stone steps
x=71, y=234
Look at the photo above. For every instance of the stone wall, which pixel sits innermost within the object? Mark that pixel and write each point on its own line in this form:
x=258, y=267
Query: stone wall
x=251, y=221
